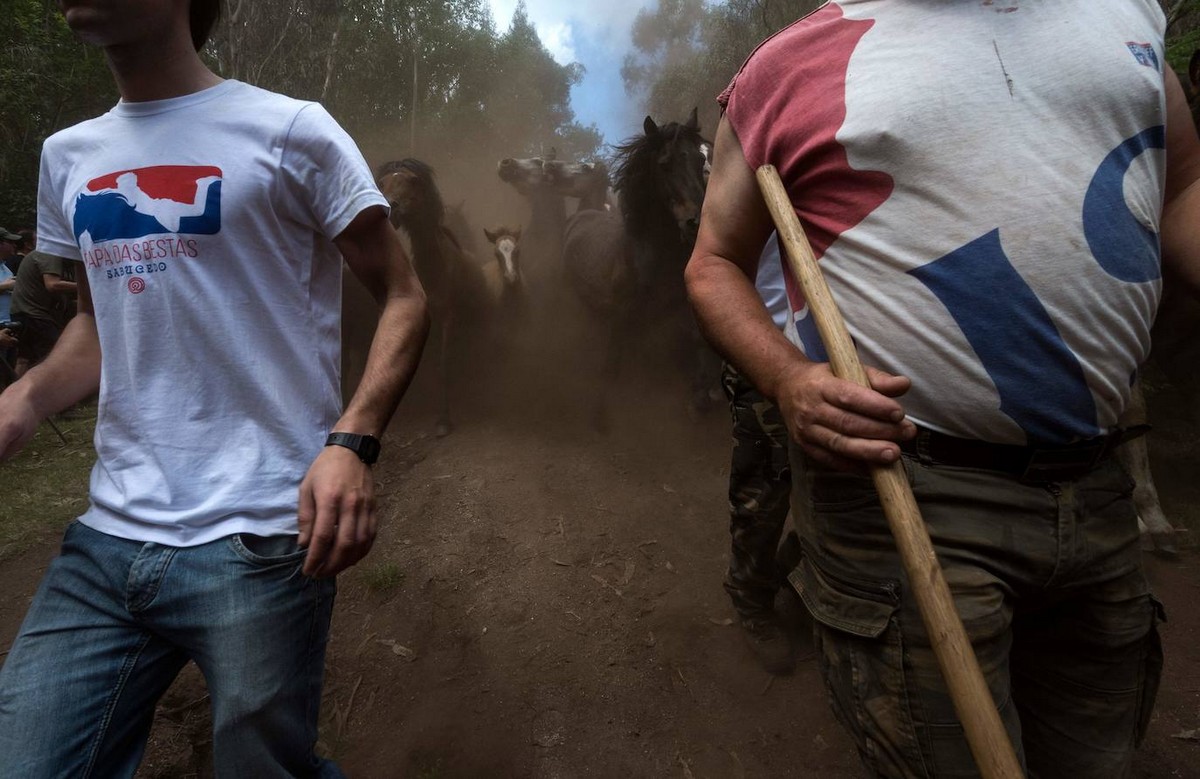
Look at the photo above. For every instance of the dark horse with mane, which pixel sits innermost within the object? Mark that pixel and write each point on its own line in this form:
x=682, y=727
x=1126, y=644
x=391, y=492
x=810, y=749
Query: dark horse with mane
x=660, y=179
x=629, y=267
x=453, y=283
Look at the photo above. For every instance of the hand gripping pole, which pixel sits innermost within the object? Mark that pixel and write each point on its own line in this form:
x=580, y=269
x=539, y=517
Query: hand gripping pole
x=973, y=702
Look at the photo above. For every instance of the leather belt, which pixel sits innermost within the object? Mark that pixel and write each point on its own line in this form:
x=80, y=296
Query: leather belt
x=1035, y=464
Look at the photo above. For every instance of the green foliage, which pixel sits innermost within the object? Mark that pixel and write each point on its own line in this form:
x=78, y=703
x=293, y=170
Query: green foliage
x=45, y=486
x=687, y=51
x=382, y=577
x=47, y=81
x=1183, y=32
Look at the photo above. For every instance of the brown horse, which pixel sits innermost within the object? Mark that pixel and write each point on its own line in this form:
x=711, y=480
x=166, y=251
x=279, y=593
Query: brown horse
x=453, y=283
x=598, y=267
x=548, y=214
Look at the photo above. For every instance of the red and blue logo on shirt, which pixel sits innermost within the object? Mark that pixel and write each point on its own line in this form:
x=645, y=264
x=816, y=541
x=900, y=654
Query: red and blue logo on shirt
x=162, y=199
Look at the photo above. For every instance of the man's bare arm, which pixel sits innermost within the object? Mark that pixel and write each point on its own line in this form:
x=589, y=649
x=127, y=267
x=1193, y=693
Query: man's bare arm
x=337, y=497
x=1181, y=206
x=375, y=255
x=70, y=373
x=57, y=285
x=837, y=423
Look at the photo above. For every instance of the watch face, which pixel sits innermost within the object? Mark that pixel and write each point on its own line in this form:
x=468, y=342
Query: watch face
x=369, y=449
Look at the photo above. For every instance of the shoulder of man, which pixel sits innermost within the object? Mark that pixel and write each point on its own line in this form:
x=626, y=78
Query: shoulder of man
x=45, y=263
x=781, y=49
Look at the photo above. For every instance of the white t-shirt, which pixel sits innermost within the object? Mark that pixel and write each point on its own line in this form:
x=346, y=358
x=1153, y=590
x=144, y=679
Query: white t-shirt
x=204, y=223
x=983, y=184
x=769, y=283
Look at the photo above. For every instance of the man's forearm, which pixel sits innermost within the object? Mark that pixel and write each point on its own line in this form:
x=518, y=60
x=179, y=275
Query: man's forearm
x=736, y=322
x=71, y=372
x=1181, y=239
x=391, y=363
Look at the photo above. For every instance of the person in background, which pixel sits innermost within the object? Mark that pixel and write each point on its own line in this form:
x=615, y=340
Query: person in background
x=10, y=254
x=39, y=302
x=760, y=484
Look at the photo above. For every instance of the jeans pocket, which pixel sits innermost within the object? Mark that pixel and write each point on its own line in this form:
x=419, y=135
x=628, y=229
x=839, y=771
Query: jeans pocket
x=862, y=660
x=267, y=551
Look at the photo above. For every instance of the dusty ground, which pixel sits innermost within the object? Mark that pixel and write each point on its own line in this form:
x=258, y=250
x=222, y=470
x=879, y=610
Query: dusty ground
x=544, y=601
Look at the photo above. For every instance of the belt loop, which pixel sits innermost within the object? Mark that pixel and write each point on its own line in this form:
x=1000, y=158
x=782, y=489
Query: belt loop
x=924, y=455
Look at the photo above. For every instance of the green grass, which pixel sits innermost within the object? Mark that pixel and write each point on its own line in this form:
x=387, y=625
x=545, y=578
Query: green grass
x=382, y=577
x=46, y=485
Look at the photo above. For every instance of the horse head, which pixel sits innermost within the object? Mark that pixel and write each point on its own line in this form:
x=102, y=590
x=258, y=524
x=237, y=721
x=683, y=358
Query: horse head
x=506, y=244
x=587, y=181
x=665, y=166
x=525, y=175
x=411, y=192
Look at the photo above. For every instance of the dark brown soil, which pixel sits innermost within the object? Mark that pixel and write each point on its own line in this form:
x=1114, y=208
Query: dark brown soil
x=545, y=601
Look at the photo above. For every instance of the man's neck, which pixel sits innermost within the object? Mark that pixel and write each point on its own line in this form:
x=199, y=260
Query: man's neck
x=148, y=72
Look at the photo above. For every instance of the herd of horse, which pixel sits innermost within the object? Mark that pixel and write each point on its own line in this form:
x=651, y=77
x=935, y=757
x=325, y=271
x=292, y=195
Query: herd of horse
x=620, y=254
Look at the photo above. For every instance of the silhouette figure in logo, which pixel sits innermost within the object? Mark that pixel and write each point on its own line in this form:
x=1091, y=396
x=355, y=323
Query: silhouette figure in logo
x=167, y=211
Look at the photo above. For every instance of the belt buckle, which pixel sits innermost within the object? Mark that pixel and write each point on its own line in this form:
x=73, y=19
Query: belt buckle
x=1063, y=463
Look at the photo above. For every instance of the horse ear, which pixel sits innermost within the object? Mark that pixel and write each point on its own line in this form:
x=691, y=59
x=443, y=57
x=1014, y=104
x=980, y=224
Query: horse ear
x=650, y=127
x=693, y=122
x=490, y=235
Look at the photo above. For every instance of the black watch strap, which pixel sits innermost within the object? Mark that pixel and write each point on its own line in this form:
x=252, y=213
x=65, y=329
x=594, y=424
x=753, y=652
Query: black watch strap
x=365, y=446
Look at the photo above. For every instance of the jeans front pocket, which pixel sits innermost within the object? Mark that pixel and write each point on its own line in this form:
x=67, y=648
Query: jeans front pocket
x=267, y=551
x=861, y=653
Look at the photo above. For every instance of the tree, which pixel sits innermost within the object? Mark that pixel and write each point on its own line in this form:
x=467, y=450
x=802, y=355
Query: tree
x=47, y=81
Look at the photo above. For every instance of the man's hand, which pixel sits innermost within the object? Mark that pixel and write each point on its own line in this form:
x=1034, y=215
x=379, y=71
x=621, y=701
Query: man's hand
x=18, y=422
x=840, y=424
x=337, y=512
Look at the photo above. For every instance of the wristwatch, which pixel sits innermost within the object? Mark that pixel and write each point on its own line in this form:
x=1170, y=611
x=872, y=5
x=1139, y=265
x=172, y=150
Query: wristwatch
x=365, y=446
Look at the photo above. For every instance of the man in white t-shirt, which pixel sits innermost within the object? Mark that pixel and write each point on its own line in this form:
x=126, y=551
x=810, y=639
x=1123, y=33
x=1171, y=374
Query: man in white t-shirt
x=230, y=485
x=984, y=187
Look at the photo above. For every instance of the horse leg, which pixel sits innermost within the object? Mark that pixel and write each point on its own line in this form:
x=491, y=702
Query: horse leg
x=443, y=426
x=1157, y=533
x=610, y=370
x=705, y=390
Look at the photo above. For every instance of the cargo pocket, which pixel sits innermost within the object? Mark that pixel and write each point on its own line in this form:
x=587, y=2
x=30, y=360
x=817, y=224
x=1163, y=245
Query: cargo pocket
x=861, y=655
x=1151, y=671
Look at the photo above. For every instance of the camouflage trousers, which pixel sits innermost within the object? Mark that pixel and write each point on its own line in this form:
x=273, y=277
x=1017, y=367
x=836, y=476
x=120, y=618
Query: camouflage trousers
x=1049, y=584
x=760, y=483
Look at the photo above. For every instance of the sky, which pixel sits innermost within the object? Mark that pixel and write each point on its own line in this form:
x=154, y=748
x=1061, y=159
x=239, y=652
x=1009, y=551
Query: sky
x=594, y=33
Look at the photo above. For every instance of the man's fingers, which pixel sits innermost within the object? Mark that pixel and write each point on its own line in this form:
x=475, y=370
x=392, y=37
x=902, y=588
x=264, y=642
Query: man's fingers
x=307, y=513
x=848, y=396
x=871, y=451
x=324, y=533
x=347, y=551
x=828, y=459
x=888, y=384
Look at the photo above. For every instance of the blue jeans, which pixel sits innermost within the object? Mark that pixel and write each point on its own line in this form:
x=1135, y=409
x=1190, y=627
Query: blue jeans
x=114, y=621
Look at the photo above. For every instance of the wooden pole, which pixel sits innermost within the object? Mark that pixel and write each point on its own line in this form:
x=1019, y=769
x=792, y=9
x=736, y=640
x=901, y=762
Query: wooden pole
x=973, y=702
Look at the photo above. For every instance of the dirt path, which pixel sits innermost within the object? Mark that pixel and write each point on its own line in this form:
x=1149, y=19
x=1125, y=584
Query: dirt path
x=547, y=602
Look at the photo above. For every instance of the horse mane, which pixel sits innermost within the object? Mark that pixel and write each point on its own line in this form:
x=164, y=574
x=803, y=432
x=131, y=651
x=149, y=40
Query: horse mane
x=431, y=199
x=635, y=164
